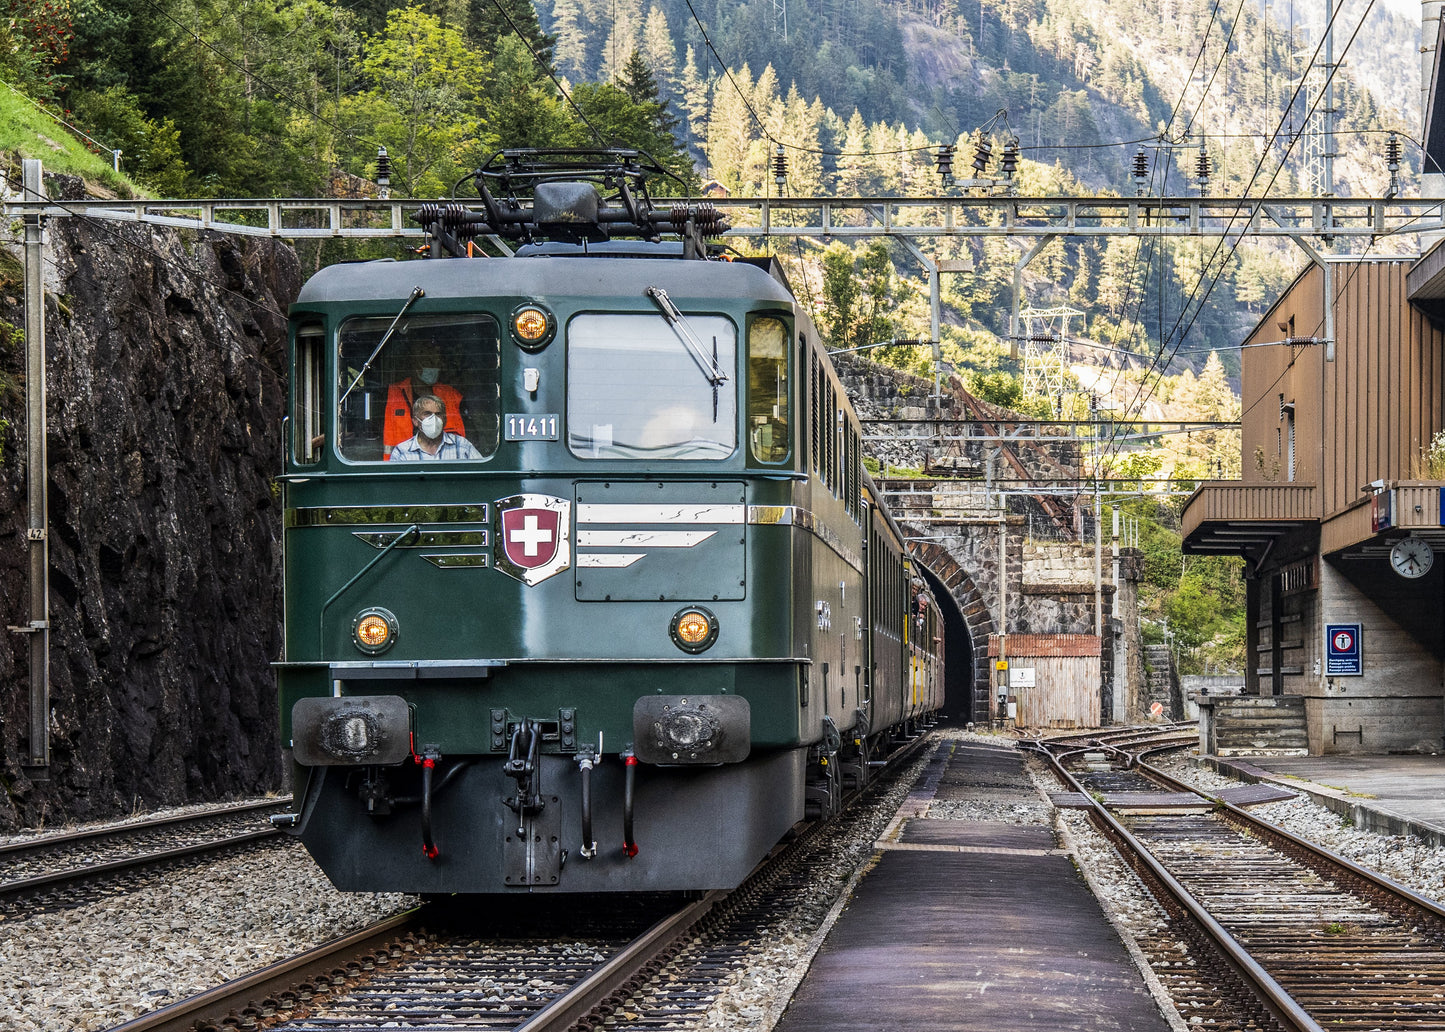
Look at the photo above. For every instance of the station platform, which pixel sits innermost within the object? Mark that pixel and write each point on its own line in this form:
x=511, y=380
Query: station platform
x=972, y=924
x=1390, y=795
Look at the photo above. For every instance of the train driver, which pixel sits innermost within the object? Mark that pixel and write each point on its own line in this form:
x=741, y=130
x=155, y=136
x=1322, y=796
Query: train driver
x=432, y=439
x=401, y=397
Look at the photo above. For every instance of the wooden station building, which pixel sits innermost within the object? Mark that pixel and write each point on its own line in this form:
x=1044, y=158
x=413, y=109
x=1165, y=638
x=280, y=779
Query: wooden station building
x=1340, y=513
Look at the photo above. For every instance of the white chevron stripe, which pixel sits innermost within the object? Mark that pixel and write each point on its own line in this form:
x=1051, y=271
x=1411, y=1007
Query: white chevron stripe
x=608, y=560
x=655, y=513
x=643, y=538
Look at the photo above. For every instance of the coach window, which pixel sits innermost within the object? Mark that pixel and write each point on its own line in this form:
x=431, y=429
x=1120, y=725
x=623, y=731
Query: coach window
x=768, y=393
x=816, y=420
x=307, y=434
x=637, y=388
x=453, y=357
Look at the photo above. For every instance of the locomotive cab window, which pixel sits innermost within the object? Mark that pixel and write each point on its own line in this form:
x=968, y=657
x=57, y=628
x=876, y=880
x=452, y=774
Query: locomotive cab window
x=768, y=390
x=637, y=390
x=307, y=432
x=443, y=369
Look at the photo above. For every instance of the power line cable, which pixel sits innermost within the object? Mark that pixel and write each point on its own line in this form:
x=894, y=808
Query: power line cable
x=550, y=74
x=1259, y=166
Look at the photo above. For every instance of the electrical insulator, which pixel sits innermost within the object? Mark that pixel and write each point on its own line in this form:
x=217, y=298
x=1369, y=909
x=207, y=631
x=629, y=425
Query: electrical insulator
x=944, y=160
x=1392, y=162
x=1140, y=168
x=1009, y=163
x=982, y=152
x=383, y=173
x=1203, y=168
x=780, y=168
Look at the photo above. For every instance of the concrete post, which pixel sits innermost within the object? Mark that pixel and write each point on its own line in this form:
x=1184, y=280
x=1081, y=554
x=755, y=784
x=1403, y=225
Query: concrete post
x=36, y=473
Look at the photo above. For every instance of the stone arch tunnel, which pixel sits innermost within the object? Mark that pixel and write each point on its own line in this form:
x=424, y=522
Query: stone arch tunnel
x=1017, y=566
x=965, y=651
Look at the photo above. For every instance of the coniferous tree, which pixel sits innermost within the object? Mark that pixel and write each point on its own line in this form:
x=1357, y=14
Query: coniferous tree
x=627, y=22
x=569, y=26
x=488, y=22
x=640, y=86
x=659, y=52
x=731, y=132
x=696, y=96
x=805, y=159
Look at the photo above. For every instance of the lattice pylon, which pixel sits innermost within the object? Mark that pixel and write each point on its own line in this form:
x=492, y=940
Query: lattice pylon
x=1046, y=353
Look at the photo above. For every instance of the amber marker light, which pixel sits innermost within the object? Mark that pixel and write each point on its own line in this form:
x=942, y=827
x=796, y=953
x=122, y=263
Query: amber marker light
x=374, y=630
x=532, y=326
x=694, y=629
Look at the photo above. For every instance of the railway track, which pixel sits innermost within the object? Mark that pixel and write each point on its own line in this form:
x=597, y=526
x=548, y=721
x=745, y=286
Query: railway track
x=1265, y=930
x=55, y=870
x=437, y=969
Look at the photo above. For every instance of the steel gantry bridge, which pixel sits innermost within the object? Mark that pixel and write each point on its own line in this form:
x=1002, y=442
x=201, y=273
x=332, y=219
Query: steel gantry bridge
x=1325, y=219
x=1315, y=224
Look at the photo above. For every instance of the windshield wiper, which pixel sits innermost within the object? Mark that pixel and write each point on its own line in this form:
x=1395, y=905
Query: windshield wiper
x=416, y=292
x=709, y=367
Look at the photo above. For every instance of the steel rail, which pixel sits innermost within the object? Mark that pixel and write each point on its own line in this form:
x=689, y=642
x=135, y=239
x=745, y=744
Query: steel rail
x=93, y=871
x=215, y=1005
x=615, y=979
x=1101, y=736
x=1401, y=893
x=43, y=842
x=579, y=1001
x=1280, y=1004
x=608, y=982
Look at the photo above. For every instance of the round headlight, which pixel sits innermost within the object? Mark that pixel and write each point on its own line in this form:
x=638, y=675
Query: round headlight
x=694, y=629
x=374, y=630
x=532, y=327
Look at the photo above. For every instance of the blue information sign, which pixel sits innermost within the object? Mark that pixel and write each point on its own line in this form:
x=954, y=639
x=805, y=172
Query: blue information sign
x=1342, y=650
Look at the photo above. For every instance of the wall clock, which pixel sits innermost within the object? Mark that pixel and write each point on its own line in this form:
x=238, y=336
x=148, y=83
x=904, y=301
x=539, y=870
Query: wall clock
x=1412, y=557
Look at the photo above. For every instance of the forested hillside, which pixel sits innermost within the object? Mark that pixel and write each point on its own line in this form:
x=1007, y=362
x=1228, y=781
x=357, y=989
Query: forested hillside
x=295, y=97
x=298, y=97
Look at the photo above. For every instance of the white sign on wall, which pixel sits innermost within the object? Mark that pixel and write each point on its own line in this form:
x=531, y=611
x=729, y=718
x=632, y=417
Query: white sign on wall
x=1021, y=677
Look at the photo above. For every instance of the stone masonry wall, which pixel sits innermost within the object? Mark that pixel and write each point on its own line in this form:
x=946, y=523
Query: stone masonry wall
x=956, y=523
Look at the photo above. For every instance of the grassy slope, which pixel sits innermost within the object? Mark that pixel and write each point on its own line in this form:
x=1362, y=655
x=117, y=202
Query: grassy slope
x=28, y=132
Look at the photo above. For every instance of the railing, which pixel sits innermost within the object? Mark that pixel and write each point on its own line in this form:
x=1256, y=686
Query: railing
x=1218, y=501
x=826, y=217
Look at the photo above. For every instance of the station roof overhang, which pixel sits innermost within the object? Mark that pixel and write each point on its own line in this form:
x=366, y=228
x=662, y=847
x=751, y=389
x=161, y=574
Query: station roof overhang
x=1229, y=518
x=1425, y=283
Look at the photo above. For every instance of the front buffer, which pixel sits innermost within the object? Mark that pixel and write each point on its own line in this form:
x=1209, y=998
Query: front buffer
x=690, y=808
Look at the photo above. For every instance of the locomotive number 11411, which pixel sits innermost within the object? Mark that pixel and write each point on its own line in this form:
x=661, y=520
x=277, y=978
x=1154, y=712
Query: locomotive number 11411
x=524, y=427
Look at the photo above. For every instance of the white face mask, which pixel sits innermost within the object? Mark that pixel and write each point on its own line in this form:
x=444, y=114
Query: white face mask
x=431, y=426
x=428, y=375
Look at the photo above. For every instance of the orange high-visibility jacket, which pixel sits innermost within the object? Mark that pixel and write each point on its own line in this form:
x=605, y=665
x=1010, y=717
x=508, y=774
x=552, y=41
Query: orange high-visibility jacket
x=398, y=411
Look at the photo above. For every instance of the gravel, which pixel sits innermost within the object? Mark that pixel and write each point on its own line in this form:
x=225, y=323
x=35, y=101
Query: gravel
x=1132, y=909
x=94, y=966
x=1404, y=858
x=97, y=965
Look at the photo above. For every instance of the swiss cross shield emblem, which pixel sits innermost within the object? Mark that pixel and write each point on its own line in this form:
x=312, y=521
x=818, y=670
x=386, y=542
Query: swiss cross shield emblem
x=533, y=536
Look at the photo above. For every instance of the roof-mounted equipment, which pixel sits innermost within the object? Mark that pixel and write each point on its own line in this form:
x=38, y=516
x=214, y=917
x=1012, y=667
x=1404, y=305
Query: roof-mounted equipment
x=570, y=196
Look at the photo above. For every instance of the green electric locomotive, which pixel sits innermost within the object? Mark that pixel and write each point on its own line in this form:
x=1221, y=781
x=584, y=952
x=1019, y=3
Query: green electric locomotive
x=586, y=588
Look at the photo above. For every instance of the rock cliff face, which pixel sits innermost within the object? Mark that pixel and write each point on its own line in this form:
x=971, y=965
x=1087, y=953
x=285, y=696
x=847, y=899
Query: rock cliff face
x=166, y=378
